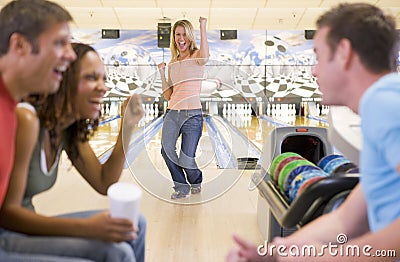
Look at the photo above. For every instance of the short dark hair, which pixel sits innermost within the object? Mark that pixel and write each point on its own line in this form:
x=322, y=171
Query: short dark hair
x=372, y=34
x=29, y=18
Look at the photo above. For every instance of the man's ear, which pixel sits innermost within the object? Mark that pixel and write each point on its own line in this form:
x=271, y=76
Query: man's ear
x=19, y=44
x=344, y=52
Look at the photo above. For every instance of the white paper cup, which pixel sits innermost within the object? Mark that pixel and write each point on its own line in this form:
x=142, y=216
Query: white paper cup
x=125, y=201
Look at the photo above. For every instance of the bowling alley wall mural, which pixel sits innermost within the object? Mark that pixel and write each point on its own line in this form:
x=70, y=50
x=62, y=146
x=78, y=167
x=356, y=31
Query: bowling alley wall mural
x=274, y=64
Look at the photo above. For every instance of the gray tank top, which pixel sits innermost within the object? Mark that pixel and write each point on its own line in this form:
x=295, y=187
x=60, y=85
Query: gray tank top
x=39, y=178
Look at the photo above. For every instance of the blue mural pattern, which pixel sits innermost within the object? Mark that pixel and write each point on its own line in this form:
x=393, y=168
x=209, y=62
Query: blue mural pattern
x=257, y=63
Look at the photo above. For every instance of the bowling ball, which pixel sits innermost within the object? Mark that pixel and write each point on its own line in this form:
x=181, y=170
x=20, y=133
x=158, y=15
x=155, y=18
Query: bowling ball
x=292, y=175
x=343, y=168
x=283, y=163
x=276, y=162
x=300, y=179
x=289, y=168
x=335, y=163
x=325, y=160
x=308, y=183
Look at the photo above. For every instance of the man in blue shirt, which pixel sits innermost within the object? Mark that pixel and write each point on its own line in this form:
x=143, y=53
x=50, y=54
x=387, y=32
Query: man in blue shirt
x=356, y=49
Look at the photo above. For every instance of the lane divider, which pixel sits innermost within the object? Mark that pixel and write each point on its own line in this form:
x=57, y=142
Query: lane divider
x=272, y=121
x=138, y=141
x=224, y=156
x=253, y=148
x=109, y=120
x=320, y=119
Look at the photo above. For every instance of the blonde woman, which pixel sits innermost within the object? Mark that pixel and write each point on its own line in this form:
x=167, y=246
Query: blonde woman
x=184, y=113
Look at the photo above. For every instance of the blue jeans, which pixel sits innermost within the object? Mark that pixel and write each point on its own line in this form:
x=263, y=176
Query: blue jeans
x=189, y=124
x=85, y=248
x=16, y=257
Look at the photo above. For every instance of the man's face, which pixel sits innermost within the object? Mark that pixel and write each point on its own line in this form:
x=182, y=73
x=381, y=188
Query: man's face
x=327, y=70
x=44, y=69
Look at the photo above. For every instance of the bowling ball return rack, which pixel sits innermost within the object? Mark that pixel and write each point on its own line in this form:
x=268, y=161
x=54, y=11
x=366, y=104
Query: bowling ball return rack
x=319, y=198
x=276, y=216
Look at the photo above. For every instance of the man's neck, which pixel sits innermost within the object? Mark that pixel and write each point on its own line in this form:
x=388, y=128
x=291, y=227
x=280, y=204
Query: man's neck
x=12, y=77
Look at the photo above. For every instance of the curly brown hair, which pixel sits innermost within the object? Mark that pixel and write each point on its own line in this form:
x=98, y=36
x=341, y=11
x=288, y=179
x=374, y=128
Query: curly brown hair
x=56, y=109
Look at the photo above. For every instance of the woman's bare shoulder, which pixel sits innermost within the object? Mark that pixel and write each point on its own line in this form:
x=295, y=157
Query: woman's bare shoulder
x=26, y=112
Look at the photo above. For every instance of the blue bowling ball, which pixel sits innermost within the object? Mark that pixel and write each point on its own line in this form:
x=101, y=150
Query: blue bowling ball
x=325, y=160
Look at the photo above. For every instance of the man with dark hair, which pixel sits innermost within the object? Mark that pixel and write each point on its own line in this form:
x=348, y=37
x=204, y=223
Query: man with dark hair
x=35, y=49
x=356, y=46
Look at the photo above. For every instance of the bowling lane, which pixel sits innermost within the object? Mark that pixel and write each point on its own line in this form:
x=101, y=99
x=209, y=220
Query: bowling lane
x=257, y=129
x=107, y=132
x=106, y=135
x=240, y=142
x=151, y=172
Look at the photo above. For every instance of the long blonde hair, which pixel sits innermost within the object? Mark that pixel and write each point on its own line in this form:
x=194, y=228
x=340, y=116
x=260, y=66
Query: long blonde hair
x=190, y=35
